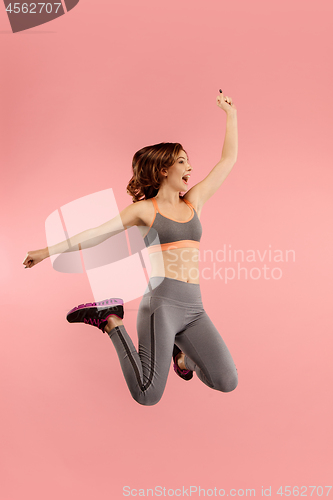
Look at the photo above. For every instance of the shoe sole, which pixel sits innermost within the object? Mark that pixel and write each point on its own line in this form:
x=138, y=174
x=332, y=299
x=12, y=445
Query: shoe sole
x=103, y=304
x=74, y=316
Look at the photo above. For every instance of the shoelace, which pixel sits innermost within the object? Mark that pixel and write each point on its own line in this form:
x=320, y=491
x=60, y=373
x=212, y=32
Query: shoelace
x=93, y=321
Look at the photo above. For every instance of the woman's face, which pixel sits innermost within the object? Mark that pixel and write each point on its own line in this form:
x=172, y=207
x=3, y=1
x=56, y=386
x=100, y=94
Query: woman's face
x=178, y=171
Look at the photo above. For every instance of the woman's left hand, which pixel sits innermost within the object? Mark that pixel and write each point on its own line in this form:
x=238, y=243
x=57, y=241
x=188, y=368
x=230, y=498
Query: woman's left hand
x=225, y=103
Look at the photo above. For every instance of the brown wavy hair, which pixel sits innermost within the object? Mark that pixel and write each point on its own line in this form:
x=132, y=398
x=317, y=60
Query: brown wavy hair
x=147, y=164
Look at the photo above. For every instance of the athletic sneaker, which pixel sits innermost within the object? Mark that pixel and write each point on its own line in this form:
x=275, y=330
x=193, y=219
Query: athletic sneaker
x=185, y=374
x=96, y=313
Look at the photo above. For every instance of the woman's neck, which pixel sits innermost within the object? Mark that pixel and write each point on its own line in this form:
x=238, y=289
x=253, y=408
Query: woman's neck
x=168, y=198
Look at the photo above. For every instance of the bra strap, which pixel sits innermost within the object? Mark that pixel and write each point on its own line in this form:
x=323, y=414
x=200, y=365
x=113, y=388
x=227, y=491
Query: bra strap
x=155, y=204
x=187, y=202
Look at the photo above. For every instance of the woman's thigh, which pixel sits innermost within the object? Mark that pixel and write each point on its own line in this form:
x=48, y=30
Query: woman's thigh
x=158, y=321
x=203, y=344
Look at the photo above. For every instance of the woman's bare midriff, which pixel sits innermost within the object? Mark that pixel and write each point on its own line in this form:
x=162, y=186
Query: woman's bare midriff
x=178, y=264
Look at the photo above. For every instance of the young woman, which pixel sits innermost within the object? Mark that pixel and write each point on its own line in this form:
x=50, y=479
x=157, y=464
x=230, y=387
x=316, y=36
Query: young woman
x=171, y=321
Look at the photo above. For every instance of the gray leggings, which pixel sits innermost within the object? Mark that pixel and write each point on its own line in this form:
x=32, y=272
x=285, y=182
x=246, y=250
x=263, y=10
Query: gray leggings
x=171, y=312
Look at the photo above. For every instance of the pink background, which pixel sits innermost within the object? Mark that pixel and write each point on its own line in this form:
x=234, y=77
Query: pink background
x=79, y=96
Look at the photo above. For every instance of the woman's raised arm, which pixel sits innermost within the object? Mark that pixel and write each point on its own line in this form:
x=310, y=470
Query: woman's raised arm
x=203, y=190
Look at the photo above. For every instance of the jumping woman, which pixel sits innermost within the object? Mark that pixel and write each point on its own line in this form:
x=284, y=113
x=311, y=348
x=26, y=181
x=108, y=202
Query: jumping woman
x=171, y=321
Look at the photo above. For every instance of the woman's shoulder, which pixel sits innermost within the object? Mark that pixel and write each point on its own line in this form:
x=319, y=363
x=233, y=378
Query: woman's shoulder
x=191, y=200
x=145, y=210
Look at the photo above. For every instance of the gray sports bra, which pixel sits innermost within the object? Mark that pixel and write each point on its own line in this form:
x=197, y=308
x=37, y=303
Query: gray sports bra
x=166, y=233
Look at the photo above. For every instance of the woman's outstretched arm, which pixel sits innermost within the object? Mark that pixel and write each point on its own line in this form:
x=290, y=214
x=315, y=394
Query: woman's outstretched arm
x=128, y=217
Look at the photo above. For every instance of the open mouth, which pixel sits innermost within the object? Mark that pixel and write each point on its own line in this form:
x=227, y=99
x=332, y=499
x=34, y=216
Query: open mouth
x=185, y=179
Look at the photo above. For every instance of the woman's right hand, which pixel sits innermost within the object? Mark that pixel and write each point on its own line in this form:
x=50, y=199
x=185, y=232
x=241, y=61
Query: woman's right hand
x=34, y=257
x=225, y=103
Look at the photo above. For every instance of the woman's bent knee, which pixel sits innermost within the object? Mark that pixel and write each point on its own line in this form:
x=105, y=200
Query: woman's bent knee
x=147, y=399
x=227, y=384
